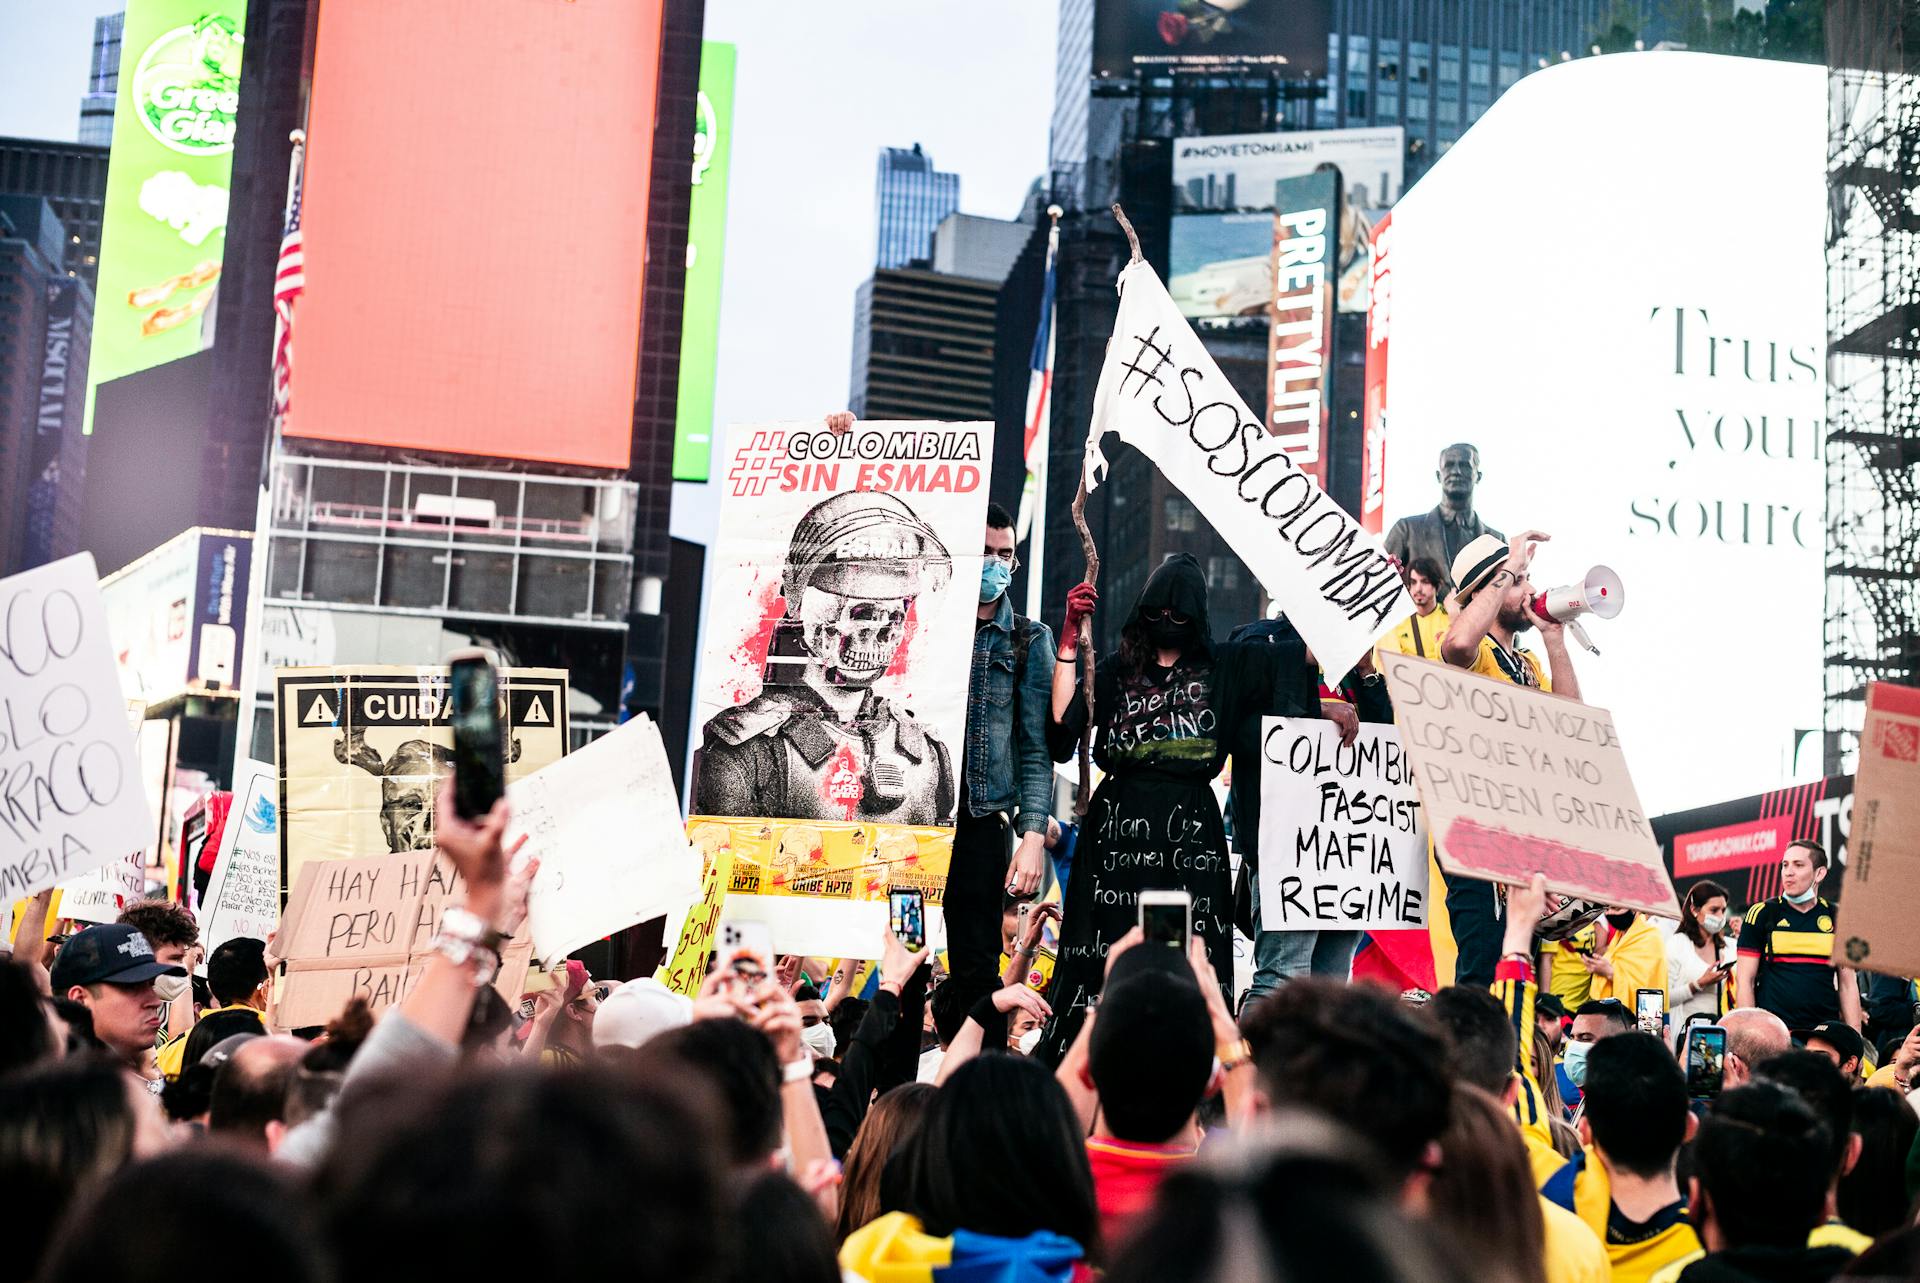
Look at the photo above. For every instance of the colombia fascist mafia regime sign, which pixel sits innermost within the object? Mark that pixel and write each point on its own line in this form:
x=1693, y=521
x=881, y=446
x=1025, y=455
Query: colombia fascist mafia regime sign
x=363, y=751
x=833, y=695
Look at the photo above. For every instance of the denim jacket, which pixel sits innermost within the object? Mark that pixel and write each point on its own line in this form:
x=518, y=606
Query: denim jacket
x=1007, y=760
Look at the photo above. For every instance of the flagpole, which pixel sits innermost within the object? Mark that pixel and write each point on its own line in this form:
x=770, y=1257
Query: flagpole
x=1033, y=503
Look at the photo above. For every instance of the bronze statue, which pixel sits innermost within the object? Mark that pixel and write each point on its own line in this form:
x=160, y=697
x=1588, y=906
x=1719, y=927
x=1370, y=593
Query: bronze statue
x=1452, y=525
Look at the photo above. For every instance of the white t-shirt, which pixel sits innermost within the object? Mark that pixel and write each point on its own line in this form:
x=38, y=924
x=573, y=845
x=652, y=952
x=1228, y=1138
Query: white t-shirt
x=1685, y=966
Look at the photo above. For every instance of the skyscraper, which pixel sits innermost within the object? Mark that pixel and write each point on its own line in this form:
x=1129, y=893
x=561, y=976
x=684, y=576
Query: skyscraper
x=73, y=179
x=910, y=199
x=103, y=80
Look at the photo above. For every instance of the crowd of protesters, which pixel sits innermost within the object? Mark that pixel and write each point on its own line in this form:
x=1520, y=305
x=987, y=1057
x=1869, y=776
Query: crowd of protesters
x=943, y=1119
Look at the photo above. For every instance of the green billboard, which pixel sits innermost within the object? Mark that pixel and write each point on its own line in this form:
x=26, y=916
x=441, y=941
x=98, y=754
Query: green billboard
x=706, y=245
x=165, y=228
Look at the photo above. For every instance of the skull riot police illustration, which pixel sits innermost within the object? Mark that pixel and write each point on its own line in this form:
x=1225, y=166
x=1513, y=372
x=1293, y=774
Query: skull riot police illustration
x=409, y=778
x=818, y=742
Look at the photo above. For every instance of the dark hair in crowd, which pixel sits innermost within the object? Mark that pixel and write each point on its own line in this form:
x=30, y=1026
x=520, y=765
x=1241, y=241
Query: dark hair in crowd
x=250, y=1090
x=893, y=1121
x=1612, y=1010
x=1001, y=1152
x=777, y=1235
x=1636, y=1103
x=1309, y=1208
x=65, y=1127
x=1484, y=1193
x=1428, y=569
x=846, y=1018
x=242, y=1200
x=78, y=1018
x=317, y=1078
x=1826, y=1091
x=29, y=1038
x=1482, y=1044
x=1355, y=1054
x=236, y=969
x=213, y=1029
x=1697, y=895
x=743, y=1069
x=163, y=923
x=1761, y=1160
x=516, y=1173
x=998, y=518
x=1148, y=1096
x=1873, y=1196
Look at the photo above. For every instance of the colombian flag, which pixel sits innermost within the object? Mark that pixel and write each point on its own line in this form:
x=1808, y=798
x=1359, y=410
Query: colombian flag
x=894, y=1249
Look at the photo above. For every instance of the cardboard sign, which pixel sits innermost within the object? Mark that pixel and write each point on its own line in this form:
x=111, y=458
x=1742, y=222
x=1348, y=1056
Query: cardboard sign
x=833, y=699
x=1342, y=846
x=71, y=783
x=243, y=891
x=1878, y=927
x=687, y=968
x=362, y=929
x=362, y=752
x=1516, y=782
x=1165, y=396
x=605, y=825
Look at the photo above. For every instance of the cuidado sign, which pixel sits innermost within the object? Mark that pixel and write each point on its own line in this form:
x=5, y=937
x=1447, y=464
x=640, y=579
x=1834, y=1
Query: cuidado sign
x=163, y=237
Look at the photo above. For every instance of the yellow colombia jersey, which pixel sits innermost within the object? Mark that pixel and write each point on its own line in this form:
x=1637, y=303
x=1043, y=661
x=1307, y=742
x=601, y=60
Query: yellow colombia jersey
x=1574, y=1252
x=1832, y=1234
x=1417, y=635
x=1487, y=664
x=1639, y=958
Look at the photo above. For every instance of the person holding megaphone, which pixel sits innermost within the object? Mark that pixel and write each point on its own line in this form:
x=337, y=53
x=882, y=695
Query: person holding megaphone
x=1492, y=603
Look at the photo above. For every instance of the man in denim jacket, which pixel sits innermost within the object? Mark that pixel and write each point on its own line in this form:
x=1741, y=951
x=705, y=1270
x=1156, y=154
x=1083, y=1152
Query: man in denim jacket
x=1006, y=780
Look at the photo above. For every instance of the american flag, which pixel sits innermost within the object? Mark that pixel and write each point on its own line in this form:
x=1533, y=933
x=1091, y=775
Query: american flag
x=289, y=279
x=1039, y=394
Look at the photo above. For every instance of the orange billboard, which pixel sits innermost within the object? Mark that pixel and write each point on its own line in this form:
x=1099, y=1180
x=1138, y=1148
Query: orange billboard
x=474, y=218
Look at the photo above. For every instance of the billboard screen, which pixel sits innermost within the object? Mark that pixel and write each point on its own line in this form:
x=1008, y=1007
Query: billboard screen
x=164, y=231
x=1654, y=408
x=706, y=245
x=475, y=223
x=1149, y=35
x=178, y=615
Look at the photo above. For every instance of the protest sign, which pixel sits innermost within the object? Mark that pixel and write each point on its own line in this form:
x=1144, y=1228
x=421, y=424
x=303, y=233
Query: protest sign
x=684, y=971
x=363, y=750
x=1342, y=846
x=1878, y=927
x=101, y=892
x=243, y=894
x=1162, y=394
x=1516, y=782
x=837, y=651
x=363, y=928
x=605, y=825
x=67, y=769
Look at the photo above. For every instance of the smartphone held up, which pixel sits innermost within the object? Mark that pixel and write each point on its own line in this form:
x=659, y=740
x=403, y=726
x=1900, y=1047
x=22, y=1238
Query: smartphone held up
x=479, y=746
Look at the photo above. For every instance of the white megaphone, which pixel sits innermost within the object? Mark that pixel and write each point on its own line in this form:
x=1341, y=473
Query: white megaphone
x=1600, y=593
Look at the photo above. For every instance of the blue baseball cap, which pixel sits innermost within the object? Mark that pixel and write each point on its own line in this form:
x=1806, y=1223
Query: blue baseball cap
x=114, y=954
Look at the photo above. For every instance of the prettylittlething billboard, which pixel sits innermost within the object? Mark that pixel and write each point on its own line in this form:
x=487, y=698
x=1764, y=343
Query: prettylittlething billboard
x=475, y=227
x=1633, y=332
x=164, y=233
x=706, y=245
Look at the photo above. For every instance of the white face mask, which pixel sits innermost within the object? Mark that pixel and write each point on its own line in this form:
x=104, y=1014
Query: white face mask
x=1713, y=924
x=820, y=1038
x=171, y=988
x=1027, y=1041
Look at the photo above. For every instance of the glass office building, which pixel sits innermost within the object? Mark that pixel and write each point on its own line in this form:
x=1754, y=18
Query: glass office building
x=910, y=199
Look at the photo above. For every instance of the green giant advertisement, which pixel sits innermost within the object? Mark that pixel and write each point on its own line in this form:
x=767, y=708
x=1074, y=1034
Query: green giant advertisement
x=165, y=229
x=706, y=242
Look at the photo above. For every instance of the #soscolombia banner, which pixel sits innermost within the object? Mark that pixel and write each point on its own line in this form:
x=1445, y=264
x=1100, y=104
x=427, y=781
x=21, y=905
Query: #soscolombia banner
x=165, y=228
x=1163, y=395
x=837, y=652
x=363, y=751
x=1518, y=782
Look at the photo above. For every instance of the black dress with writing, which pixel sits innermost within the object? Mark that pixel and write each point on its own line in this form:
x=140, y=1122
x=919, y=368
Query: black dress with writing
x=1153, y=823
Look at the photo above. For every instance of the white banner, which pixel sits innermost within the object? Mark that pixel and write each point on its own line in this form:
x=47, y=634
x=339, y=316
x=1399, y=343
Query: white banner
x=1342, y=845
x=243, y=892
x=605, y=825
x=67, y=768
x=1163, y=395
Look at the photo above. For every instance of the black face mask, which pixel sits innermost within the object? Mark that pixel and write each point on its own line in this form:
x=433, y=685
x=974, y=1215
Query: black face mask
x=1619, y=921
x=1167, y=635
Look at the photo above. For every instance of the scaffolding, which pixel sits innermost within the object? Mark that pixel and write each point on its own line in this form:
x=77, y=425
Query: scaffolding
x=1872, y=624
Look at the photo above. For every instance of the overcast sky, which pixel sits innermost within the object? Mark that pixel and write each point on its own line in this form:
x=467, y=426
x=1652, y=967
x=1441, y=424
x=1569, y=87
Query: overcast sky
x=820, y=89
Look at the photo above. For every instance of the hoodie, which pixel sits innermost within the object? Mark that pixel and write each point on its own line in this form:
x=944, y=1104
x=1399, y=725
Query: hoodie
x=1768, y=1265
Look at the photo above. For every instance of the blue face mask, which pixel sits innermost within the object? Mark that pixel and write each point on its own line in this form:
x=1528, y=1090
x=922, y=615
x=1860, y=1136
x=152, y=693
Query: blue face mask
x=1805, y=897
x=1574, y=1057
x=994, y=578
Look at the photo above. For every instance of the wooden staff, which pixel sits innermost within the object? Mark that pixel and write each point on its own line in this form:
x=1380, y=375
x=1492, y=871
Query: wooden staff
x=1092, y=554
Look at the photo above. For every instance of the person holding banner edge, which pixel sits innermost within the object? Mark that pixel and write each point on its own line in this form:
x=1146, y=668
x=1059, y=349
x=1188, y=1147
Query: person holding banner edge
x=1168, y=703
x=1492, y=604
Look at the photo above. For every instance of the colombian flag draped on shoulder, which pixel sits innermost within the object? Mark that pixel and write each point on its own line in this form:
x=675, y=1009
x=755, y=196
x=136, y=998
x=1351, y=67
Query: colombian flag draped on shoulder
x=1163, y=395
x=894, y=1249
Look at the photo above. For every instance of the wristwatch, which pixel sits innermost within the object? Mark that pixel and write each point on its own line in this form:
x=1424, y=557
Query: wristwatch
x=1232, y=1055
